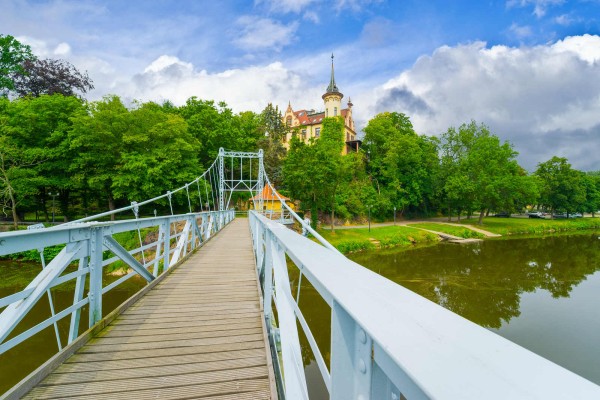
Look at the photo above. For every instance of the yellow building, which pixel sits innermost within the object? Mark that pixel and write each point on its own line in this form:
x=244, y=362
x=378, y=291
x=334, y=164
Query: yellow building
x=308, y=123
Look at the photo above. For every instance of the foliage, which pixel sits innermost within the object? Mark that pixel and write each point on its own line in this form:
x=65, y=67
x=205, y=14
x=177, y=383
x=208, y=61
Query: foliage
x=481, y=173
x=49, y=76
x=562, y=188
x=12, y=55
x=271, y=123
x=402, y=165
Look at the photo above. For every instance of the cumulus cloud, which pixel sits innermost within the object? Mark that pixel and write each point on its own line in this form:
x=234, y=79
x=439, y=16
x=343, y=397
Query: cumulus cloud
x=544, y=99
x=258, y=33
x=251, y=88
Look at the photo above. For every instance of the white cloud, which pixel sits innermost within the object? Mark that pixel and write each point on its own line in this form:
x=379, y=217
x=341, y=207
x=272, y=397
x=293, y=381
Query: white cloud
x=264, y=33
x=63, y=49
x=251, y=88
x=286, y=6
x=564, y=20
x=539, y=6
x=520, y=32
x=544, y=99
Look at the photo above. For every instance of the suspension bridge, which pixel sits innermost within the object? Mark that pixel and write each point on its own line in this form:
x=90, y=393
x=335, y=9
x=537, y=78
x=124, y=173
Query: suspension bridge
x=218, y=318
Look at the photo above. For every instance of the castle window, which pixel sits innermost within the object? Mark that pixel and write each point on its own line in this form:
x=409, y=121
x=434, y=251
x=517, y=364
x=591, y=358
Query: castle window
x=289, y=121
x=317, y=132
x=327, y=112
x=335, y=111
x=303, y=134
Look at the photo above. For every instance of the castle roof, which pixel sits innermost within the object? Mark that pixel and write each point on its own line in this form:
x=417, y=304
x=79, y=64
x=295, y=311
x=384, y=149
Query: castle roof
x=308, y=117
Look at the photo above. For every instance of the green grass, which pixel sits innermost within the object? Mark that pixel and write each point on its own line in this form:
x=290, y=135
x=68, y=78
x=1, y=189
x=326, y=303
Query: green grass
x=449, y=229
x=352, y=240
x=520, y=226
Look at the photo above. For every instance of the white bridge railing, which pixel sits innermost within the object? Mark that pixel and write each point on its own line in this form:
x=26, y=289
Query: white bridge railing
x=386, y=341
x=93, y=247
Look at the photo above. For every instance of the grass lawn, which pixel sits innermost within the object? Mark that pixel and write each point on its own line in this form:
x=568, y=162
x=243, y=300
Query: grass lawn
x=349, y=240
x=517, y=226
x=449, y=229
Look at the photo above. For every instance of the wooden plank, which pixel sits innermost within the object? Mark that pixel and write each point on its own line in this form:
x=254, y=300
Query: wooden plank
x=242, y=389
x=122, y=387
x=151, y=371
x=82, y=365
x=198, y=333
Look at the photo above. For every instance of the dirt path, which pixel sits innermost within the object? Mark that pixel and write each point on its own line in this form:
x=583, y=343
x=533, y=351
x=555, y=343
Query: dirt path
x=409, y=222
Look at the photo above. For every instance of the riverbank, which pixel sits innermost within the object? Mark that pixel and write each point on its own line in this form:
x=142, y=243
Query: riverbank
x=408, y=234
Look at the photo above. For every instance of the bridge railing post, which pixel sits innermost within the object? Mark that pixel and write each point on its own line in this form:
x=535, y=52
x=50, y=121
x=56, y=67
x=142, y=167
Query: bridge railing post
x=95, y=285
x=351, y=357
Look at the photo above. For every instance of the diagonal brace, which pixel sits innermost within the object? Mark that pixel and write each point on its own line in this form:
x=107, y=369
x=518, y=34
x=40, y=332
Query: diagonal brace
x=119, y=251
x=15, y=312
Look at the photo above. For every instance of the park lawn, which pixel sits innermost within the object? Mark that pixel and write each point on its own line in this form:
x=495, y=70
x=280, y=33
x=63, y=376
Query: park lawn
x=351, y=240
x=519, y=226
x=449, y=229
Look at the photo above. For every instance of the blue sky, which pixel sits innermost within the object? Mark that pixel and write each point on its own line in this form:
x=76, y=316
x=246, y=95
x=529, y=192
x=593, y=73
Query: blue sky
x=529, y=69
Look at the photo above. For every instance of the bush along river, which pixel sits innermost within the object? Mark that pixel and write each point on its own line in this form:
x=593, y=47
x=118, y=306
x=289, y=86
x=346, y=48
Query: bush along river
x=541, y=293
x=18, y=362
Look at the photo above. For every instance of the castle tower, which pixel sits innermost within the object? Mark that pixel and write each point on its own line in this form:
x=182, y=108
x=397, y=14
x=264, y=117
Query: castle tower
x=332, y=97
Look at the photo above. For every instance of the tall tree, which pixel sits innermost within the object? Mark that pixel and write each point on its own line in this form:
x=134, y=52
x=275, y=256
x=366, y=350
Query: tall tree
x=50, y=76
x=482, y=173
x=402, y=164
x=561, y=185
x=271, y=142
x=97, y=143
x=12, y=56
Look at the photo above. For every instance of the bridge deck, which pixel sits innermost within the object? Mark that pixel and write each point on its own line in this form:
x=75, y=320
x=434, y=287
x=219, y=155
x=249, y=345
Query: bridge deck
x=197, y=334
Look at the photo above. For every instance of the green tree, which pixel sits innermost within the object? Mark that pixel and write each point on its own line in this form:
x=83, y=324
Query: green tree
x=97, y=142
x=402, y=164
x=561, y=187
x=37, y=128
x=12, y=56
x=481, y=173
x=591, y=184
x=271, y=142
x=158, y=154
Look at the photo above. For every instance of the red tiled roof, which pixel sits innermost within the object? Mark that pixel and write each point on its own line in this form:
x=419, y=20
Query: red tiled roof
x=304, y=118
x=267, y=194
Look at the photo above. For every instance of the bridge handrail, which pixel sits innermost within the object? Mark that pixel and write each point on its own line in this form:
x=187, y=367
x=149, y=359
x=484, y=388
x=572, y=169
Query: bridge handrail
x=306, y=226
x=387, y=340
x=87, y=242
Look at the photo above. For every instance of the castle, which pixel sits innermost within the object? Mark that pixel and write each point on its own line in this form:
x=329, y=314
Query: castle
x=308, y=123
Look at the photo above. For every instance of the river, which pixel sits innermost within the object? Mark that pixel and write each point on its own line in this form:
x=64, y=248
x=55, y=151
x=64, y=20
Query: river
x=541, y=293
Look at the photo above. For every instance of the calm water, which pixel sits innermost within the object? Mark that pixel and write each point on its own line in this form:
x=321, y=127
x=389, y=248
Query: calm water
x=18, y=362
x=541, y=293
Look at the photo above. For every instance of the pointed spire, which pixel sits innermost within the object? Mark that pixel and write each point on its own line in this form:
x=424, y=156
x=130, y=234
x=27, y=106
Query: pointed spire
x=332, y=86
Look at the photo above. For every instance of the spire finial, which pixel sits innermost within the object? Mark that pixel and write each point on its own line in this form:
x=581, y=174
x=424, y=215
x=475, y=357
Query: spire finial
x=332, y=86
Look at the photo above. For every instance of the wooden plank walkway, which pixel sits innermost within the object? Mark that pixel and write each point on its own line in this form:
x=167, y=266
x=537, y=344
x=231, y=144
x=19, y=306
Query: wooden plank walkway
x=198, y=334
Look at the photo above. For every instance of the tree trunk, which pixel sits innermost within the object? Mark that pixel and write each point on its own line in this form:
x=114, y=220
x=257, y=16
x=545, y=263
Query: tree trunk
x=13, y=207
x=332, y=216
x=481, y=217
x=111, y=205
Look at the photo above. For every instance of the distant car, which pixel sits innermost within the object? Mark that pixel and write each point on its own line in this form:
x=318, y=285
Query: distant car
x=502, y=214
x=575, y=215
x=536, y=214
x=560, y=216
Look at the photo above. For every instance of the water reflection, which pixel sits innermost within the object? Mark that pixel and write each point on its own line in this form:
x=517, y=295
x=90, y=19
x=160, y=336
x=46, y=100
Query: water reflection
x=487, y=283
x=484, y=281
